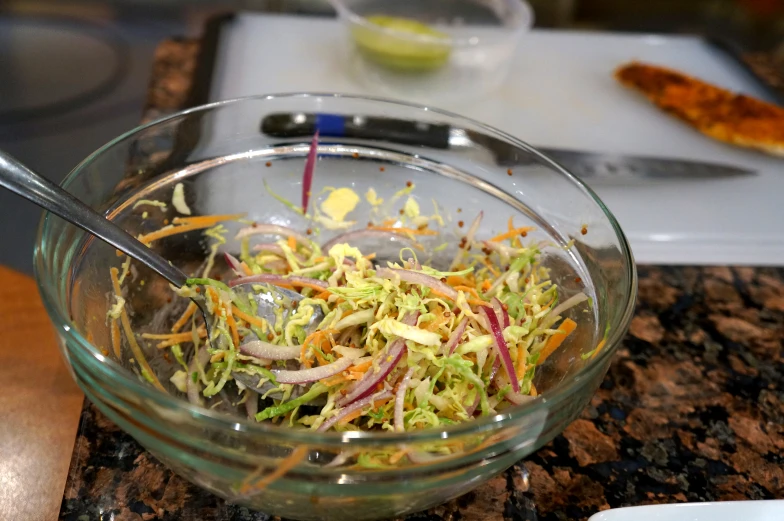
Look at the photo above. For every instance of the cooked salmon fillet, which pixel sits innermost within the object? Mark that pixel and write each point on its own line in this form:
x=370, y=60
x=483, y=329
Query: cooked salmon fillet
x=727, y=116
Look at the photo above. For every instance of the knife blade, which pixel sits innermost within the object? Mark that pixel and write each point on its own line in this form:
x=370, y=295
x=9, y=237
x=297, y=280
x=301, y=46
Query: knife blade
x=592, y=164
x=583, y=164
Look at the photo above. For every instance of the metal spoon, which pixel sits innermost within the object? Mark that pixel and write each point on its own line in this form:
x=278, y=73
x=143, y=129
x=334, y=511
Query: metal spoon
x=23, y=181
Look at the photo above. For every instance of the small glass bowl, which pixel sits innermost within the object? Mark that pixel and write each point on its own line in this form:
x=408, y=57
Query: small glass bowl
x=432, y=51
x=228, y=165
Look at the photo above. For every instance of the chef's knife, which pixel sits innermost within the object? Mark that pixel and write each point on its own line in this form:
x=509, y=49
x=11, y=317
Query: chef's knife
x=436, y=135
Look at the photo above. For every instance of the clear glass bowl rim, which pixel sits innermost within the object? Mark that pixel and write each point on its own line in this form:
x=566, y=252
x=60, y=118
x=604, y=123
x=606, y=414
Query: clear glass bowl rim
x=119, y=377
x=523, y=9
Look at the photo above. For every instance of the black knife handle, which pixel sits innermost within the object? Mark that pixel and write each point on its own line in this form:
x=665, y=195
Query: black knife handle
x=418, y=133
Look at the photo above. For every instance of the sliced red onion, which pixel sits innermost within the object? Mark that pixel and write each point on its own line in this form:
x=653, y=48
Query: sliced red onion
x=252, y=404
x=340, y=459
x=369, y=381
x=454, y=338
x=474, y=228
x=234, y=264
x=400, y=398
x=270, y=278
x=312, y=375
x=267, y=351
x=277, y=265
x=358, y=405
x=517, y=398
x=572, y=301
x=424, y=458
x=494, y=369
x=513, y=397
x=500, y=312
x=307, y=175
x=270, y=247
x=500, y=343
x=358, y=235
x=272, y=229
x=414, y=277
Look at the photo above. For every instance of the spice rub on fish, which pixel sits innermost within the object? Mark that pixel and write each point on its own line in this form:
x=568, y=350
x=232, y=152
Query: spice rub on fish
x=716, y=112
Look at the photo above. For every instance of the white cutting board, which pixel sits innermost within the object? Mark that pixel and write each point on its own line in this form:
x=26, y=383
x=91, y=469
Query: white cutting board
x=561, y=93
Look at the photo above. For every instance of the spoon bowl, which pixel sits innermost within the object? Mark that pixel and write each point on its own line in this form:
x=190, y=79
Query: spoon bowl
x=270, y=300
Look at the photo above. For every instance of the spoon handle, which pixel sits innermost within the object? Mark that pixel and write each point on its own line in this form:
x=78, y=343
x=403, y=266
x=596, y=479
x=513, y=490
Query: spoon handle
x=23, y=181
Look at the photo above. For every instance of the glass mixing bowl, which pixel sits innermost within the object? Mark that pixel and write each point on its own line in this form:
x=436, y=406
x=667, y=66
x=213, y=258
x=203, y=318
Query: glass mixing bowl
x=228, y=165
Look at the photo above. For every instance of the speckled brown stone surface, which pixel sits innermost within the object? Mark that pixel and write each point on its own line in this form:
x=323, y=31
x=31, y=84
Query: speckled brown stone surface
x=692, y=409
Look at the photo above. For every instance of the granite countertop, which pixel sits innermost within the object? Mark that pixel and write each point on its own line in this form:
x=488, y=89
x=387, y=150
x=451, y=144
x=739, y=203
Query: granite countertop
x=692, y=408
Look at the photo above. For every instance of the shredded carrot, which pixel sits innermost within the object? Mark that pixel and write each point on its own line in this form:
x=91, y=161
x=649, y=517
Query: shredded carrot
x=347, y=313
x=116, y=346
x=169, y=336
x=335, y=380
x=126, y=324
x=184, y=318
x=599, y=347
x=356, y=414
x=213, y=296
x=467, y=289
x=412, y=231
x=387, y=222
x=512, y=233
x=438, y=321
x=555, y=341
x=186, y=224
x=246, y=269
x=209, y=220
x=534, y=392
x=175, y=338
x=309, y=340
x=457, y=280
x=292, y=243
x=324, y=295
x=332, y=343
x=283, y=467
x=235, y=335
x=364, y=366
x=169, y=343
x=394, y=458
x=510, y=224
x=486, y=285
x=521, y=365
x=254, y=321
x=170, y=230
x=290, y=284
